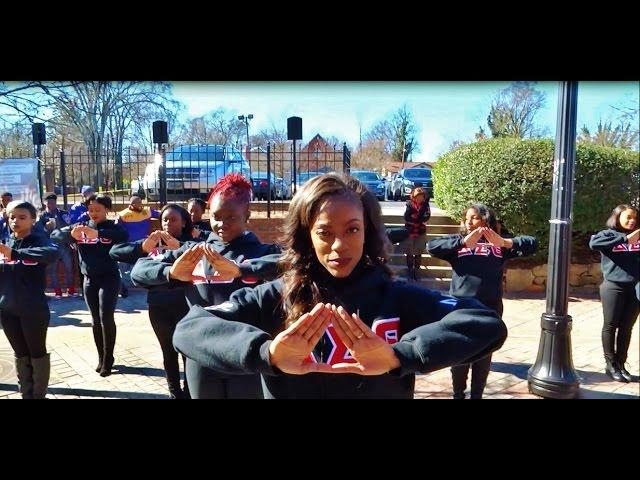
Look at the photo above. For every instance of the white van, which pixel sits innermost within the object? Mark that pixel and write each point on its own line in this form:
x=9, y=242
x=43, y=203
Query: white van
x=191, y=171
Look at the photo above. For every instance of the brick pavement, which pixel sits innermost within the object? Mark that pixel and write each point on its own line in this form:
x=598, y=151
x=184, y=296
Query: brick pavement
x=138, y=371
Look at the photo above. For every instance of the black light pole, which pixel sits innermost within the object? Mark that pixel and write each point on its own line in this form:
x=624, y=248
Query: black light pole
x=294, y=132
x=553, y=375
x=161, y=139
x=39, y=136
x=246, y=119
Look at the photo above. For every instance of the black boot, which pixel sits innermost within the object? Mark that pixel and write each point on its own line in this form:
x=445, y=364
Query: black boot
x=41, y=373
x=24, y=371
x=479, y=375
x=623, y=371
x=107, y=364
x=613, y=371
x=109, y=332
x=175, y=392
x=410, y=266
x=99, y=341
x=417, y=261
x=459, y=378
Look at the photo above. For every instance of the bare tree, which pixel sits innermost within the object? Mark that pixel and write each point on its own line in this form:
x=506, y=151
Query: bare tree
x=216, y=127
x=405, y=130
x=99, y=108
x=513, y=111
x=620, y=136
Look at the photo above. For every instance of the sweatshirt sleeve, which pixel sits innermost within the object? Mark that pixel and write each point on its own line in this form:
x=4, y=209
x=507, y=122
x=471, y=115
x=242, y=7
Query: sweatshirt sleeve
x=127, y=252
x=42, y=254
x=148, y=272
x=444, y=331
x=114, y=232
x=522, y=246
x=226, y=337
x=264, y=268
x=606, y=240
x=63, y=236
x=445, y=247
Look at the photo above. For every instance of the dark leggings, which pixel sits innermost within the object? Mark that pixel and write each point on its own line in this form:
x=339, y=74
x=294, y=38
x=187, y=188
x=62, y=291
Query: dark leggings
x=164, y=320
x=479, y=370
x=101, y=295
x=620, y=307
x=205, y=383
x=27, y=334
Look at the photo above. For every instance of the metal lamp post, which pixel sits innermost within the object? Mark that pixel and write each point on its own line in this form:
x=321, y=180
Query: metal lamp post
x=246, y=119
x=553, y=374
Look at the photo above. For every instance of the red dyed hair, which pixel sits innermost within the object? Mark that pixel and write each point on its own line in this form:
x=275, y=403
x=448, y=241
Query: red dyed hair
x=232, y=186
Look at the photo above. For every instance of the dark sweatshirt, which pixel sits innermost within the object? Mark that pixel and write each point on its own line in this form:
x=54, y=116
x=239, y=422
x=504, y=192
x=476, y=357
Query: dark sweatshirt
x=23, y=278
x=203, y=225
x=414, y=217
x=620, y=259
x=477, y=272
x=245, y=251
x=94, y=253
x=427, y=330
x=170, y=294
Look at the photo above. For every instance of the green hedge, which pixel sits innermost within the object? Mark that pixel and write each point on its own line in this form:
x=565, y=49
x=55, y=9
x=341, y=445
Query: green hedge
x=514, y=177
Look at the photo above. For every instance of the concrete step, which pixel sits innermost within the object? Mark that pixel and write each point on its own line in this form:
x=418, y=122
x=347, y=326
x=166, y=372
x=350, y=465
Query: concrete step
x=425, y=271
x=434, y=219
x=433, y=228
x=400, y=259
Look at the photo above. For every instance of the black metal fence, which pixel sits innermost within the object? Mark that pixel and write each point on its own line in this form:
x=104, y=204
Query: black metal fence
x=189, y=171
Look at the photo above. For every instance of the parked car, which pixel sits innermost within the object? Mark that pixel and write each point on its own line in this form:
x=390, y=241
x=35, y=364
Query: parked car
x=372, y=180
x=263, y=185
x=406, y=179
x=191, y=170
x=283, y=189
x=304, y=177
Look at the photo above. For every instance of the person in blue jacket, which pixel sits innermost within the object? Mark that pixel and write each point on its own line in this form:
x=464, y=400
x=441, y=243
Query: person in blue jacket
x=619, y=247
x=335, y=324
x=24, y=312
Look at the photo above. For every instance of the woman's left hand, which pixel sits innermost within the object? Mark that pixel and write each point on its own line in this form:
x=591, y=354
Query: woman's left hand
x=90, y=232
x=373, y=355
x=226, y=269
x=496, y=239
x=171, y=242
x=6, y=251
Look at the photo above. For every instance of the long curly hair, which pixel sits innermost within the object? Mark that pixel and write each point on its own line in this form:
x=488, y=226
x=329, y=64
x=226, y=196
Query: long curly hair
x=299, y=262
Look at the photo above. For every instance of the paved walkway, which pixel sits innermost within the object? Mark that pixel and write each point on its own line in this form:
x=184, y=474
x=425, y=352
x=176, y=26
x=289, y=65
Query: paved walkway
x=138, y=371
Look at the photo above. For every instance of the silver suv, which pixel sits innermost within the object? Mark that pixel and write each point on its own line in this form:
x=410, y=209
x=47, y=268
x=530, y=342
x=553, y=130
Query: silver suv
x=191, y=170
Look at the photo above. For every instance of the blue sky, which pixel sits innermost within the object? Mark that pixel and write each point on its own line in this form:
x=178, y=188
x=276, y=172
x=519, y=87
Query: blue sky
x=443, y=111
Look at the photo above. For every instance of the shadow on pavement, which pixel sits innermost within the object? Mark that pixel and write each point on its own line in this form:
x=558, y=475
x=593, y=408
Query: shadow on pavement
x=147, y=371
x=591, y=394
x=105, y=393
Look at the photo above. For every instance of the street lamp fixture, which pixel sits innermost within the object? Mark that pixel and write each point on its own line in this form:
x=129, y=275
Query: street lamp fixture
x=245, y=119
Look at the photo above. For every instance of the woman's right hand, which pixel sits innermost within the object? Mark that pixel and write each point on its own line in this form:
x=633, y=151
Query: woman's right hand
x=151, y=241
x=183, y=267
x=633, y=237
x=471, y=239
x=77, y=231
x=289, y=351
